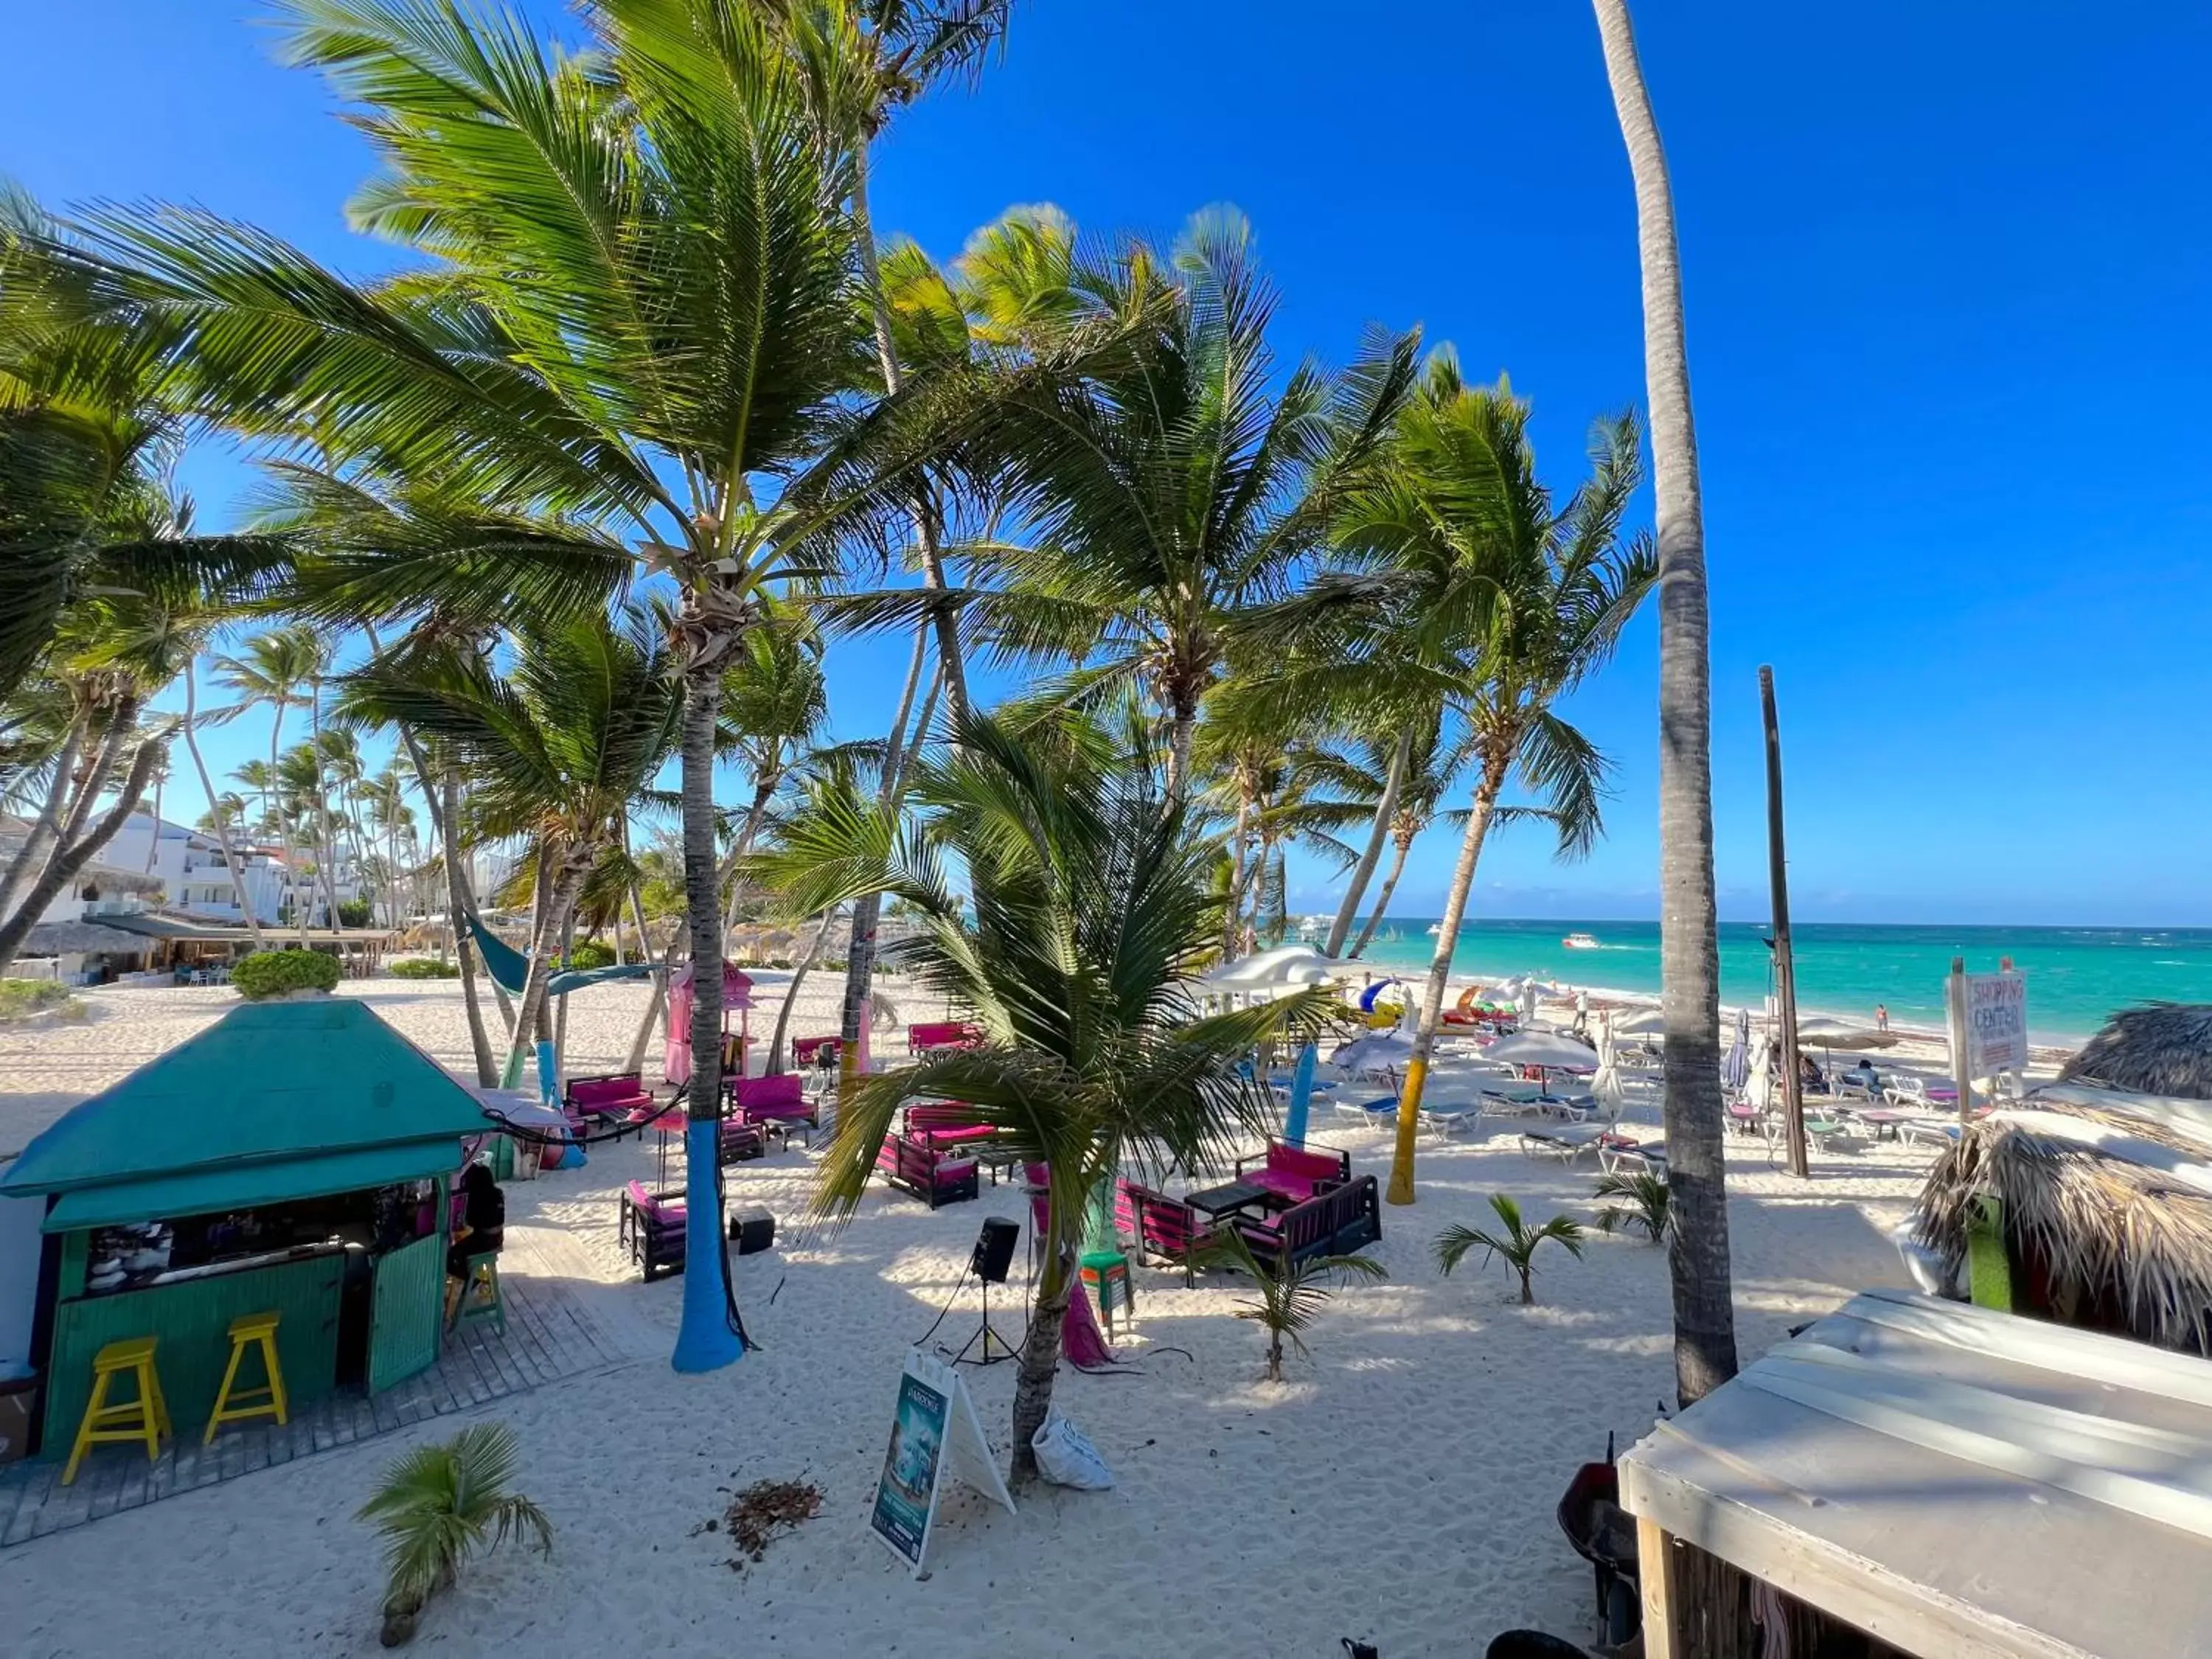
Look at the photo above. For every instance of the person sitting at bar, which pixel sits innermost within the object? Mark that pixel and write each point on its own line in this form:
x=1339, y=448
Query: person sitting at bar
x=482, y=1232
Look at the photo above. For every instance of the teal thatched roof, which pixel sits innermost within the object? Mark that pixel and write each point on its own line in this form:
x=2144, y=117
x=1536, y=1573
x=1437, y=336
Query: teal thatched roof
x=268, y=1085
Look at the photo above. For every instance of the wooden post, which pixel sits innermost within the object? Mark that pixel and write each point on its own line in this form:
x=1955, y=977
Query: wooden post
x=1955, y=1007
x=1655, y=1554
x=1785, y=969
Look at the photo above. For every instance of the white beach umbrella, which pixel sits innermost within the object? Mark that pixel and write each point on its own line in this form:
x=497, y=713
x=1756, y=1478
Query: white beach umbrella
x=1645, y=1022
x=1545, y=1048
x=1380, y=1051
x=1289, y=967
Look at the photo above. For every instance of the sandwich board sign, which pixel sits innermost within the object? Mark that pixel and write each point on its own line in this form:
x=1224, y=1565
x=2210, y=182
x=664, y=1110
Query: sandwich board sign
x=936, y=1437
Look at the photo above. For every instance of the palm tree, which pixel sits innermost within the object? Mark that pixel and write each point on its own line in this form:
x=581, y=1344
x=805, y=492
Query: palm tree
x=1089, y=905
x=1180, y=485
x=1290, y=1293
x=636, y=347
x=86, y=442
x=1459, y=560
x=1689, y=931
x=1517, y=1245
x=270, y=673
x=436, y=1506
x=1642, y=1203
x=775, y=704
x=560, y=742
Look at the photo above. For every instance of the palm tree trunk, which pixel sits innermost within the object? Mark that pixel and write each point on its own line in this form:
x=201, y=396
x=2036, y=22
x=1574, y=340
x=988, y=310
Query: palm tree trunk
x=563, y=883
x=656, y=1005
x=1180, y=732
x=1689, y=940
x=70, y=856
x=31, y=855
x=1385, y=809
x=706, y=1341
x=1405, y=845
x=222, y=830
x=1432, y=998
x=946, y=625
x=326, y=853
x=861, y=946
x=1039, y=1358
x=791, y=996
x=755, y=816
x=457, y=912
x=1232, y=912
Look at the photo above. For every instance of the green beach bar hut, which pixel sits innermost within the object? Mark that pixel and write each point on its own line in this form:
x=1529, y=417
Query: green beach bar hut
x=294, y=1158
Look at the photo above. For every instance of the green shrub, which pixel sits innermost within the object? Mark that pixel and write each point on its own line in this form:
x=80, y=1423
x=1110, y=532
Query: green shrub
x=21, y=998
x=272, y=973
x=590, y=953
x=354, y=913
x=424, y=968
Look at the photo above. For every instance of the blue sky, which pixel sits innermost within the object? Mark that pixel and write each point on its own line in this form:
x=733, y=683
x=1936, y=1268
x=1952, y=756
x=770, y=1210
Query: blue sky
x=1946, y=283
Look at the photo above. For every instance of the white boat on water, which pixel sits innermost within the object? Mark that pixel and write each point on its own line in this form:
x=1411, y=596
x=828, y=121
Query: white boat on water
x=1581, y=942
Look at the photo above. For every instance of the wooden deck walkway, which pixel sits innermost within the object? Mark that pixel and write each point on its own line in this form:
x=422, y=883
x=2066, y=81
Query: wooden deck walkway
x=549, y=1335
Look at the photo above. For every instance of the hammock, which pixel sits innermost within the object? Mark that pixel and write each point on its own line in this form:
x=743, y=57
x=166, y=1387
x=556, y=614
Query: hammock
x=510, y=968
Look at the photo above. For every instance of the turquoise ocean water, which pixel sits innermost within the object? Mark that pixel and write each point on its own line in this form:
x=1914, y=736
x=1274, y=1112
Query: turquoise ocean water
x=2076, y=976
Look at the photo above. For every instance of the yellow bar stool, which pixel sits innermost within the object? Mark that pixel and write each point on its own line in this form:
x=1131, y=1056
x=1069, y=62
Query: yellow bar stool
x=144, y=1418
x=245, y=1331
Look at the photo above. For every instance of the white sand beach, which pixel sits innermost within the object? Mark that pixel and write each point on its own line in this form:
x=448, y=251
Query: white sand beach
x=1398, y=1487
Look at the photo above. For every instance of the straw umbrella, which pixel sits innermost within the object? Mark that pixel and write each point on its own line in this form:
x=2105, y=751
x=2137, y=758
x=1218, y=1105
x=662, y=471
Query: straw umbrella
x=2162, y=1049
x=2107, y=1214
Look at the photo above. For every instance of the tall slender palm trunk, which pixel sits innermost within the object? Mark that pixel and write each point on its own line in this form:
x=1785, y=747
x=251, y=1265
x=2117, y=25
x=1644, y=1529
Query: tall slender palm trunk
x=1393, y=783
x=706, y=1341
x=221, y=826
x=81, y=836
x=562, y=882
x=1432, y=996
x=1403, y=846
x=31, y=855
x=327, y=852
x=1689, y=946
x=868, y=910
x=457, y=912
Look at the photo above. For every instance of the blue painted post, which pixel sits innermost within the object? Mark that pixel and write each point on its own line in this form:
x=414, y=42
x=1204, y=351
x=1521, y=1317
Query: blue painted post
x=705, y=1342
x=1301, y=1083
x=549, y=1085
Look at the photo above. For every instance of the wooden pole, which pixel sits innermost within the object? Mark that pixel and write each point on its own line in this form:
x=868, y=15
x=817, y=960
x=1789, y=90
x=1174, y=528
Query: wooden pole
x=1785, y=969
x=1955, y=1007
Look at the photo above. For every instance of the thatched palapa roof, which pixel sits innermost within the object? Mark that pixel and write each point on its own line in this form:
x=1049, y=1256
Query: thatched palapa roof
x=2163, y=1049
x=2108, y=1207
x=61, y=938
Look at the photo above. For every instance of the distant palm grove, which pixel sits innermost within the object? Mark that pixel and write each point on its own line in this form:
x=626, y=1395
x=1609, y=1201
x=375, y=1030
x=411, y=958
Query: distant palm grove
x=565, y=520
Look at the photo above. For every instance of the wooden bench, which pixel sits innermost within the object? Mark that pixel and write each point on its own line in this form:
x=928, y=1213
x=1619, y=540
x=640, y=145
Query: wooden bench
x=926, y=1035
x=1336, y=1222
x=1156, y=1225
x=944, y=1125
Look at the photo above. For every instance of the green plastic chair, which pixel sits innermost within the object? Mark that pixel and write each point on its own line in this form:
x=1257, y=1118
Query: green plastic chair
x=1105, y=1271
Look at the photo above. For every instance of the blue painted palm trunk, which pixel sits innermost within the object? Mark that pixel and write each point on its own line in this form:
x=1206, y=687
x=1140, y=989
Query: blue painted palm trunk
x=705, y=1342
x=1302, y=1083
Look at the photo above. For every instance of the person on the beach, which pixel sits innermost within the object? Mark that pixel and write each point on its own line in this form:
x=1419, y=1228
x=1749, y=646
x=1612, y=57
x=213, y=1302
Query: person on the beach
x=1809, y=1074
x=1882, y=1016
x=1865, y=1074
x=1581, y=1013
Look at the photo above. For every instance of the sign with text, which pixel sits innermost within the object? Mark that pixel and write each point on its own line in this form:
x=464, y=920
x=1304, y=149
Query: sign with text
x=1997, y=1024
x=935, y=1435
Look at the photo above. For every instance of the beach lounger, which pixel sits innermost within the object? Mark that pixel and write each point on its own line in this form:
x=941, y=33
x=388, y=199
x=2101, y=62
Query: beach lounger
x=1381, y=1109
x=1564, y=1141
x=1928, y=1131
x=1448, y=1117
x=1617, y=1152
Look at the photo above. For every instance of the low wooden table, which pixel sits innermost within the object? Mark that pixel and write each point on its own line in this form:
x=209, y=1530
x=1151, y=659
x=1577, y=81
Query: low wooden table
x=997, y=1160
x=1228, y=1199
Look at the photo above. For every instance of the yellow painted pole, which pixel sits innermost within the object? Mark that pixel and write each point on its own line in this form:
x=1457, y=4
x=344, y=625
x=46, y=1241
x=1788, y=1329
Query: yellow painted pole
x=1409, y=1118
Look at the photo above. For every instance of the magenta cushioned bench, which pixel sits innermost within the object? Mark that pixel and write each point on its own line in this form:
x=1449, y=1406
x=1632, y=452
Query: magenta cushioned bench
x=1336, y=1222
x=933, y=1177
x=1294, y=1173
x=777, y=1103
x=652, y=1225
x=942, y=1126
x=613, y=1098
x=1157, y=1226
x=808, y=1051
x=925, y=1035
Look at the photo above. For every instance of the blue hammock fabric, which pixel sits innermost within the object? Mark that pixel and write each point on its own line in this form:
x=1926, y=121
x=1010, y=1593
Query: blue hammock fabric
x=509, y=968
x=575, y=979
